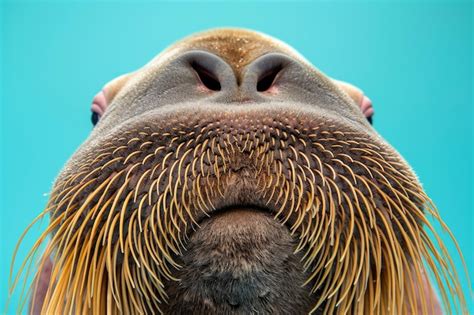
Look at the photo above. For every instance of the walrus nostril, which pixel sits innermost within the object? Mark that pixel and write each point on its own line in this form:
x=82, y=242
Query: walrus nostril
x=265, y=73
x=212, y=72
x=265, y=82
x=208, y=79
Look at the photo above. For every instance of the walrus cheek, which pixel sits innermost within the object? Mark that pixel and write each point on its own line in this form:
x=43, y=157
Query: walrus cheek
x=240, y=260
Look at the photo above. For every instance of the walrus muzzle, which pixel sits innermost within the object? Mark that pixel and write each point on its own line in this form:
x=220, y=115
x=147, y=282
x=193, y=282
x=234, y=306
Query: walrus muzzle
x=228, y=176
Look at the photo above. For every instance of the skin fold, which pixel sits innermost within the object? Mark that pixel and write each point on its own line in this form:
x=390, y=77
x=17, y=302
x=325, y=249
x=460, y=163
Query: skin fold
x=230, y=176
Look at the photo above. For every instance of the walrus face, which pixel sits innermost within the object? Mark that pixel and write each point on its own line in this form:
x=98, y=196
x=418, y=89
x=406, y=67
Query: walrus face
x=229, y=175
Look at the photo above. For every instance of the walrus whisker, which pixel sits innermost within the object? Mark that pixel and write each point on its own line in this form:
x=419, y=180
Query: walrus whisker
x=358, y=220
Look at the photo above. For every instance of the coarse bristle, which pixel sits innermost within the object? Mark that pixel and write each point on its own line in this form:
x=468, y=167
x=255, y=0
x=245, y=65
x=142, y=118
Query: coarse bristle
x=357, y=211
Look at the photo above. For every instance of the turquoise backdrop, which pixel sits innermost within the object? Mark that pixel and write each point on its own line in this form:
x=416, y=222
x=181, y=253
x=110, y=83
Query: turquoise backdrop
x=414, y=59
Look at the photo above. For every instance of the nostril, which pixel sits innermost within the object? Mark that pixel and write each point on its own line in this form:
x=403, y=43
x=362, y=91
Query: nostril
x=267, y=73
x=266, y=80
x=207, y=78
x=207, y=72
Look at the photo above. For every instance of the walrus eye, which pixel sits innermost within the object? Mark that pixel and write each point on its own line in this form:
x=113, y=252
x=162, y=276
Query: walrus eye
x=99, y=104
x=94, y=118
x=367, y=109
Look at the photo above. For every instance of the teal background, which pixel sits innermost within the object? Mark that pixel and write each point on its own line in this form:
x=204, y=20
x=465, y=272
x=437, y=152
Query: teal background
x=414, y=59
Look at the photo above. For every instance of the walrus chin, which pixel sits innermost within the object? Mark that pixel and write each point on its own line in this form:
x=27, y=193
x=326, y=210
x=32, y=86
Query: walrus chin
x=254, y=207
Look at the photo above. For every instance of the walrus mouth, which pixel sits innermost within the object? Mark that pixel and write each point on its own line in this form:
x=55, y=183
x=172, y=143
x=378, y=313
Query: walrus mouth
x=123, y=218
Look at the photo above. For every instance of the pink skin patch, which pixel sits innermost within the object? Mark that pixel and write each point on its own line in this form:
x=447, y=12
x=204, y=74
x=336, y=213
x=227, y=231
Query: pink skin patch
x=99, y=103
x=366, y=106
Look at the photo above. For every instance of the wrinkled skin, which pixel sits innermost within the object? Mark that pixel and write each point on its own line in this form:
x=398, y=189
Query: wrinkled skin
x=244, y=245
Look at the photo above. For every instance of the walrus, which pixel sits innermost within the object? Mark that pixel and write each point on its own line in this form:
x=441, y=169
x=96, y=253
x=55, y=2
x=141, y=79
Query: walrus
x=230, y=176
